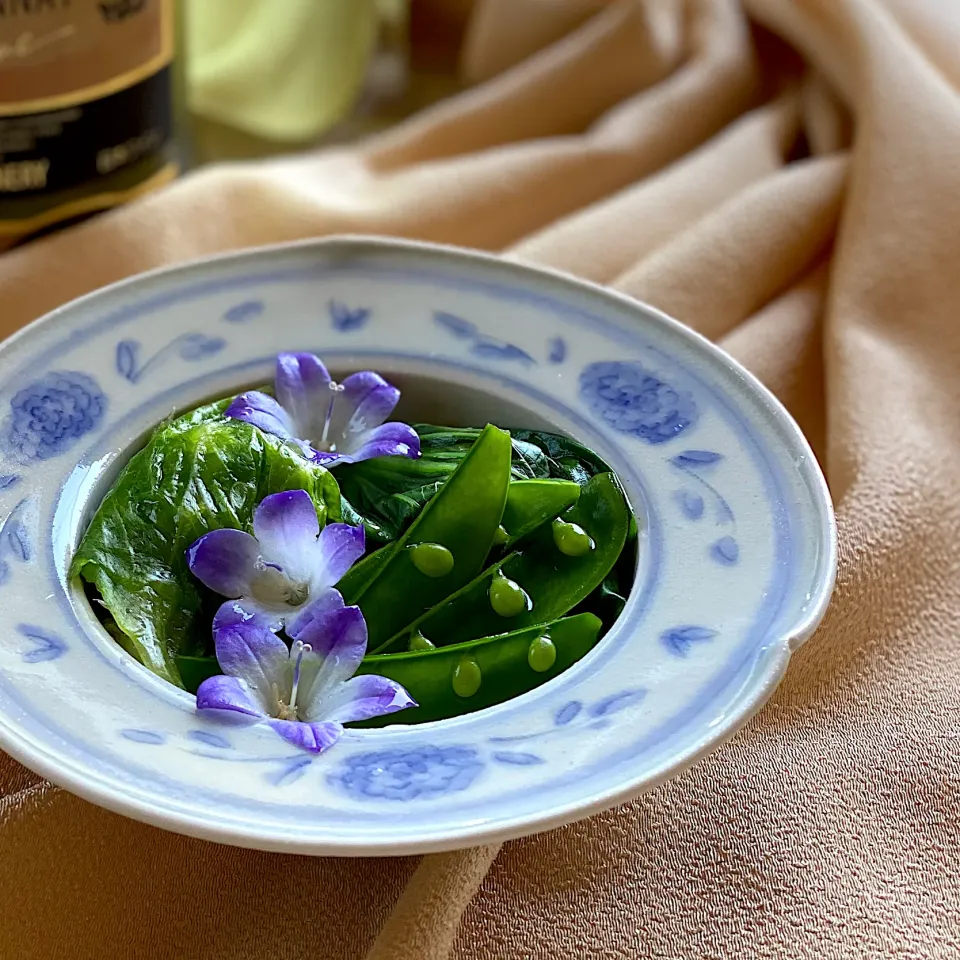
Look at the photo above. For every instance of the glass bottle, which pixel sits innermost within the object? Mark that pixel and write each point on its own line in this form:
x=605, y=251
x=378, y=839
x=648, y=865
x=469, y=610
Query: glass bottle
x=86, y=108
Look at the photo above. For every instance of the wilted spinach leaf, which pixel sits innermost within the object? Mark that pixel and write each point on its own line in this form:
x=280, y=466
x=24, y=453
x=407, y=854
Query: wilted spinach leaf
x=565, y=458
x=197, y=473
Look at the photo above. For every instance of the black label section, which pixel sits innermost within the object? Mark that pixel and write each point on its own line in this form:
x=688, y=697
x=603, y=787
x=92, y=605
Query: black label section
x=45, y=152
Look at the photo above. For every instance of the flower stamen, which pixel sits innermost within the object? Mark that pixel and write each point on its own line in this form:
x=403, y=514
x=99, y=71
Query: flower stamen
x=326, y=446
x=300, y=649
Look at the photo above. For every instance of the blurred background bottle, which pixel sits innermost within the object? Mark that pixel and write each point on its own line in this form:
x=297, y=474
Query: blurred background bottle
x=104, y=100
x=87, y=108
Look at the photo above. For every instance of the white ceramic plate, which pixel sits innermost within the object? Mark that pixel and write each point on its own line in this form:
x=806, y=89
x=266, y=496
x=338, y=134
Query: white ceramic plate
x=737, y=559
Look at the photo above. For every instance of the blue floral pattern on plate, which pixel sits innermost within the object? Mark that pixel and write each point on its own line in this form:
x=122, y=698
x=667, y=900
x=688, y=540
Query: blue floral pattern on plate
x=725, y=550
x=575, y=715
x=480, y=344
x=634, y=401
x=406, y=774
x=188, y=346
x=344, y=319
x=52, y=413
x=679, y=640
x=244, y=311
x=47, y=646
x=15, y=542
x=557, y=350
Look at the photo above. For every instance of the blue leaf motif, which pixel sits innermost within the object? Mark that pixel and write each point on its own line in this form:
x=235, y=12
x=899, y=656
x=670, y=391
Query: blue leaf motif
x=209, y=739
x=47, y=646
x=290, y=772
x=143, y=736
x=690, y=503
x=696, y=458
x=517, y=758
x=344, y=319
x=617, y=702
x=557, y=348
x=567, y=713
x=242, y=312
x=126, y=359
x=464, y=329
x=679, y=640
x=19, y=541
x=498, y=350
x=188, y=346
x=481, y=346
x=726, y=551
x=9, y=480
x=15, y=539
x=195, y=346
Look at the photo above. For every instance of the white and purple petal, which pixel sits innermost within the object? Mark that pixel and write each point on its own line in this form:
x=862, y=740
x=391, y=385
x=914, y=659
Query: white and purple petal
x=250, y=652
x=338, y=548
x=229, y=694
x=392, y=439
x=324, y=604
x=286, y=526
x=302, y=383
x=363, y=697
x=340, y=641
x=263, y=412
x=239, y=611
x=225, y=561
x=366, y=401
x=314, y=737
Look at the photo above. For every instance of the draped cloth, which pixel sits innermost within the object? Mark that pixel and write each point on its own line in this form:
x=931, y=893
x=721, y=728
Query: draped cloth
x=781, y=175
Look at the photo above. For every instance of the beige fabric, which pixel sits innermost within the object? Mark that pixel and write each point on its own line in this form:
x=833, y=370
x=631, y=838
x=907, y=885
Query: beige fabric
x=705, y=164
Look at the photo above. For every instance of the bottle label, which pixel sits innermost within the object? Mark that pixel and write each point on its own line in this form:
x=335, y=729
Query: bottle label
x=85, y=105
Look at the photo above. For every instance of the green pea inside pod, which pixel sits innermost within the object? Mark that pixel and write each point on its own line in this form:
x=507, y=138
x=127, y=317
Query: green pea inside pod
x=461, y=678
x=531, y=503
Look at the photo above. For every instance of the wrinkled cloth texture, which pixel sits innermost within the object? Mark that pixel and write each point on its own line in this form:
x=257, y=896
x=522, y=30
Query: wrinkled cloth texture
x=783, y=176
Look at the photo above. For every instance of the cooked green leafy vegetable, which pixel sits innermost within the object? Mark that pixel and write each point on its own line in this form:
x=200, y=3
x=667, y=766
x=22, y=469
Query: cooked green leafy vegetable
x=198, y=473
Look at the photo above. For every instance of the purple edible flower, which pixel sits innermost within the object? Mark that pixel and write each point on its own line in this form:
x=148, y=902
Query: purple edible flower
x=329, y=422
x=307, y=692
x=288, y=563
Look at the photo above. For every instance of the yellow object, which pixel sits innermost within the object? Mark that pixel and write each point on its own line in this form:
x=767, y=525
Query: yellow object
x=280, y=69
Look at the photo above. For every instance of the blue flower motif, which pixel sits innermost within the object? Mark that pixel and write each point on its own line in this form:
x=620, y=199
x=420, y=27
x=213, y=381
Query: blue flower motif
x=344, y=319
x=407, y=774
x=53, y=412
x=679, y=640
x=634, y=401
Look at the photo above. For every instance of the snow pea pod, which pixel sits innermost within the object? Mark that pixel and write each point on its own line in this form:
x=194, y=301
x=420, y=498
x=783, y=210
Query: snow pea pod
x=446, y=546
x=531, y=503
x=536, y=583
x=362, y=574
x=465, y=677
